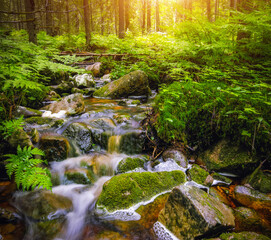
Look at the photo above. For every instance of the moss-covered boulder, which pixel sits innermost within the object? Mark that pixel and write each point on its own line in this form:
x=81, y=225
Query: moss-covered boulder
x=260, y=180
x=190, y=212
x=253, y=199
x=72, y=104
x=40, y=205
x=134, y=83
x=175, y=155
x=45, y=212
x=19, y=137
x=81, y=176
x=80, y=133
x=228, y=156
x=242, y=236
x=132, y=142
x=131, y=163
x=26, y=112
x=55, y=147
x=247, y=219
x=125, y=190
x=199, y=175
x=44, y=121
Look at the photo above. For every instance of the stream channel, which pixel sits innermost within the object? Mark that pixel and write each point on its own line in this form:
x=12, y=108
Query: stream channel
x=116, y=134
x=107, y=132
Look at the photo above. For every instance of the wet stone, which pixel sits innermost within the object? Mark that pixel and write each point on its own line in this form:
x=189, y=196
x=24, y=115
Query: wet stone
x=175, y=155
x=190, y=212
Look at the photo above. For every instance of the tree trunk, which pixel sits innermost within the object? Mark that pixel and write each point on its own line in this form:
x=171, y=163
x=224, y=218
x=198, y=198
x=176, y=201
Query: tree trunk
x=209, y=15
x=121, y=19
x=157, y=16
x=216, y=9
x=116, y=16
x=148, y=16
x=49, y=21
x=68, y=17
x=127, y=17
x=30, y=16
x=87, y=22
x=143, y=15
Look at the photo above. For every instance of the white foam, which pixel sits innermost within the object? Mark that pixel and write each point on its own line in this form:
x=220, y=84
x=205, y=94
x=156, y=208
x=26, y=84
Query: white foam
x=162, y=232
x=168, y=166
x=60, y=114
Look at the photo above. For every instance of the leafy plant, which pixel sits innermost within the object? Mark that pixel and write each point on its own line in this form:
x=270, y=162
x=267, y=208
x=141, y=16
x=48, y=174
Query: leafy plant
x=26, y=170
x=9, y=127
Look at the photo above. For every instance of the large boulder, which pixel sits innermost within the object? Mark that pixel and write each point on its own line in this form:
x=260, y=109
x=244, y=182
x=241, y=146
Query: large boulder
x=175, y=155
x=45, y=212
x=132, y=142
x=41, y=204
x=132, y=84
x=125, y=190
x=190, y=212
x=72, y=104
x=80, y=133
x=95, y=68
x=19, y=137
x=55, y=147
x=253, y=199
x=229, y=157
x=84, y=81
x=247, y=219
x=26, y=112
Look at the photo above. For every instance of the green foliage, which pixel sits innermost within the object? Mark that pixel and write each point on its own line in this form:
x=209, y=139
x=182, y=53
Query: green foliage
x=26, y=169
x=22, y=69
x=7, y=128
x=197, y=113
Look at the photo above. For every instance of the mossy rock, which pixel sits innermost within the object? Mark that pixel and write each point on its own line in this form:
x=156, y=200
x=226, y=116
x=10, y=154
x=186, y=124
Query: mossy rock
x=80, y=177
x=40, y=205
x=191, y=213
x=243, y=236
x=80, y=133
x=50, y=122
x=26, y=112
x=46, y=230
x=230, y=157
x=260, y=180
x=128, y=164
x=21, y=138
x=73, y=104
x=253, y=199
x=125, y=190
x=55, y=147
x=132, y=142
x=247, y=219
x=198, y=174
x=132, y=84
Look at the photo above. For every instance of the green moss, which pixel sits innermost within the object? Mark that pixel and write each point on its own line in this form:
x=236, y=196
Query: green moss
x=260, y=180
x=198, y=174
x=129, y=164
x=45, y=121
x=78, y=177
x=123, y=191
x=227, y=156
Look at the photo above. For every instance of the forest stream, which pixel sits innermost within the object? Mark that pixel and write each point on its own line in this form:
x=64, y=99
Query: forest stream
x=107, y=186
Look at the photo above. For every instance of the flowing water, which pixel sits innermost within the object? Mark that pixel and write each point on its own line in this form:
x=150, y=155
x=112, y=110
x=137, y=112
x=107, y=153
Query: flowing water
x=115, y=125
